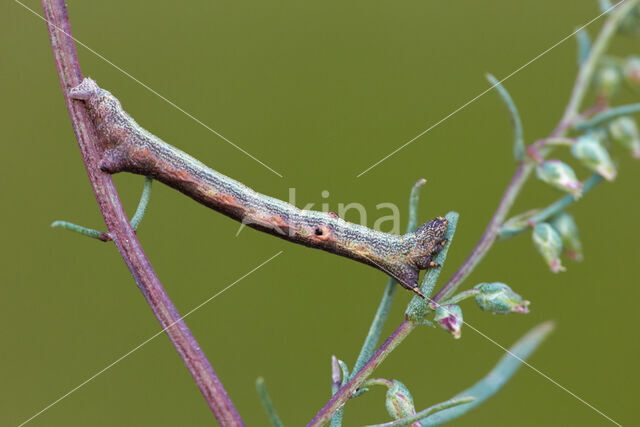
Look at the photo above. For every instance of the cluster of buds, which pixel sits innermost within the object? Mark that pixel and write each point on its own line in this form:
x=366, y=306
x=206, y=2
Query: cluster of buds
x=561, y=176
x=449, y=317
x=624, y=130
x=498, y=298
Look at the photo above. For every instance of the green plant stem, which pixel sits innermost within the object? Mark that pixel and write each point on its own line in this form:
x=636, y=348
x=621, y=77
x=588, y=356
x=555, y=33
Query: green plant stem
x=101, y=235
x=606, y=116
x=551, y=210
x=379, y=381
x=456, y=401
x=557, y=141
x=461, y=296
x=89, y=232
x=142, y=204
x=272, y=414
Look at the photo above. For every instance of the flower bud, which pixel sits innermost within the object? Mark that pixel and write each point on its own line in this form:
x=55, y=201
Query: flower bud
x=607, y=80
x=561, y=176
x=568, y=231
x=399, y=401
x=548, y=242
x=625, y=131
x=594, y=156
x=450, y=318
x=631, y=71
x=498, y=298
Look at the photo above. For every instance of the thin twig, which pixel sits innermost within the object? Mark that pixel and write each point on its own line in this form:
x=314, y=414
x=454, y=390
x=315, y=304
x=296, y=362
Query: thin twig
x=607, y=115
x=551, y=210
x=118, y=224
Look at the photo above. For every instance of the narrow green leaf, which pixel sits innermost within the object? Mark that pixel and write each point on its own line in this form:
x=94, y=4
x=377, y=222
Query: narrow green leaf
x=550, y=211
x=266, y=402
x=418, y=308
x=605, y=6
x=518, y=135
x=499, y=375
x=142, y=204
x=607, y=116
x=584, y=45
x=89, y=232
x=414, y=198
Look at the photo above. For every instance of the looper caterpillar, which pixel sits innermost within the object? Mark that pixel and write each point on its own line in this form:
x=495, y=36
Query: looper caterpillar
x=130, y=148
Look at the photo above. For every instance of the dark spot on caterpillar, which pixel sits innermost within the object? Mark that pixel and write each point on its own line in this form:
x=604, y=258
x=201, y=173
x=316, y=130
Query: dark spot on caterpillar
x=318, y=231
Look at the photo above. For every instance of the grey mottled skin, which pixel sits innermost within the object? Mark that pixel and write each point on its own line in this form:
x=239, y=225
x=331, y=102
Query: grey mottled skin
x=128, y=147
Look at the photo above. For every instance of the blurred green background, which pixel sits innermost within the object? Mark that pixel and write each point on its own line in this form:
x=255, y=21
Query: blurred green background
x=319, y=91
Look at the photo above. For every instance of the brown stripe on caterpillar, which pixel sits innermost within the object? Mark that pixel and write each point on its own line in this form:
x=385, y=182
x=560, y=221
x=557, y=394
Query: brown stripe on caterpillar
x=130, y=148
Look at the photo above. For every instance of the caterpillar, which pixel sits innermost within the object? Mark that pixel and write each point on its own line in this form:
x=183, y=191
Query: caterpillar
x=127, y=147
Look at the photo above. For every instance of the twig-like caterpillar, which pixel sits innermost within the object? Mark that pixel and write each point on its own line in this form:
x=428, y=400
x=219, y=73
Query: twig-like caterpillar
x=130, y=148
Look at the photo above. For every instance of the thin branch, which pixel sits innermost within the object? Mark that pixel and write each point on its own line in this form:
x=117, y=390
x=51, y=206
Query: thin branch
x=607, y=115
x=120, y=230
x=551, y=210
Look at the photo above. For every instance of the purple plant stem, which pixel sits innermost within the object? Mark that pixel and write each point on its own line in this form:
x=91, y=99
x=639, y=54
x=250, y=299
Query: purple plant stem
x=120, y=230
x=345, y=392
x=490, y=233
